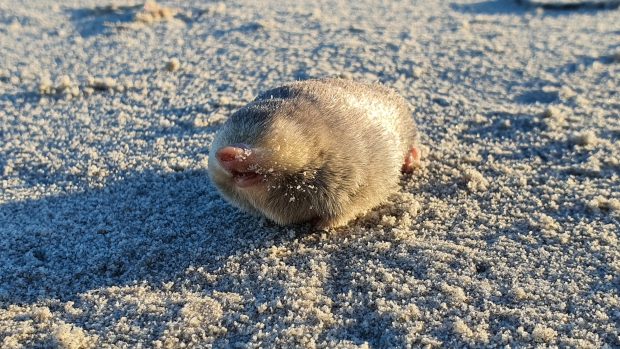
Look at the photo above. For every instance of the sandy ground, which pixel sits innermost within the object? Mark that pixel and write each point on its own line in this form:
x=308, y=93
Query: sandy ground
x=112, y=236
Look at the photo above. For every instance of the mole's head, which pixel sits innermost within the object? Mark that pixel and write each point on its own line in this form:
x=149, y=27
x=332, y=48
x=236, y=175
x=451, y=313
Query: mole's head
x=269, y=164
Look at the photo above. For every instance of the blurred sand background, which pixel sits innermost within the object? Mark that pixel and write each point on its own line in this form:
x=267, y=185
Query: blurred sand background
x=112, y=236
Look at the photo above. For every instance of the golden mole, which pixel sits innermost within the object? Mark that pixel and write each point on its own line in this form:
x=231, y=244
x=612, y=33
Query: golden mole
x=325, y=150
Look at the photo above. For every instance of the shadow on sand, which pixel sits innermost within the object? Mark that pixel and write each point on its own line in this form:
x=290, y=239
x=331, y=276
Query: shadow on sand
x=147, y=227
x=499, y=7
x=490, y=7
x=94, y=21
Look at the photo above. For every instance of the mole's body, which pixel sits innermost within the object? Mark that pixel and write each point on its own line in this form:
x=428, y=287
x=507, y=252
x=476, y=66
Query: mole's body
x=322, y=150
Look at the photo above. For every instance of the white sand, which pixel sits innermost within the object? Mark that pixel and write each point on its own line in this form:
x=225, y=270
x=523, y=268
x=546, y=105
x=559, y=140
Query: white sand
x=112, y=236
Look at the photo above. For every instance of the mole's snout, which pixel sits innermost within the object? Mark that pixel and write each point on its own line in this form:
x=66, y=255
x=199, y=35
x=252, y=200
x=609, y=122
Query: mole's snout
x=233, y=155
x=241, y=162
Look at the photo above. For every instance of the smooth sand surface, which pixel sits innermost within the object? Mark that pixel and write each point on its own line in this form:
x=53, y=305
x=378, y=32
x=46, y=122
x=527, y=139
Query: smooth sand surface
x=112, y=236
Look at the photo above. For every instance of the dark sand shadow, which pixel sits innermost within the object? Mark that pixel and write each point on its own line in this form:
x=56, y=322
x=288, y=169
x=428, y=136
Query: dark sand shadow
x=147, y=227
x=585, y=62
x=366, y=323
x=537, y=96
x=100, y=19
x=94, y=21
x=521, y=129
x=250, y=28
x=570, y=5
x=21, y=97
x=490, y=7
x=504, y=126
x=504, y=7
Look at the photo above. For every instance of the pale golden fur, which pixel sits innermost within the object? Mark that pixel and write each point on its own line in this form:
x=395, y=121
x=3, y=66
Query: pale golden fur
x=330, y=150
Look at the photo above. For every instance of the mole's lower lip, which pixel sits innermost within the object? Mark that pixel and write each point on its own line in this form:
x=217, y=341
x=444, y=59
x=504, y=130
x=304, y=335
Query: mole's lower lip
x=247, y=179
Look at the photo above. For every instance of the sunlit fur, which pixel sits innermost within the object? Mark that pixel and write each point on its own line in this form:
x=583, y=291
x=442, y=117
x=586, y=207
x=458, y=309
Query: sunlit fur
x=329, y=150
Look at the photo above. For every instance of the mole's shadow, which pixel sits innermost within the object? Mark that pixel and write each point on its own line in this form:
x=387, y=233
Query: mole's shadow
x=147, y=227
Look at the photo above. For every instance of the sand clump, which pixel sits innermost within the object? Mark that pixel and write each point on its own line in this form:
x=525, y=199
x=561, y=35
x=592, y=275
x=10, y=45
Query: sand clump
x=519, y=294
x=455, y=294
x=41, y=324
x=65, y=86
x=474, y=180
x=543, y=334
x=173, y=65
x=134, y=16
x=586, y=138
x=103, y=83
x=68, y=88
x=71, y=337
x=476, y=336
x=154, y=12
x=200, y=324
x=602, y=204
x=554, y=117
x=461, y=328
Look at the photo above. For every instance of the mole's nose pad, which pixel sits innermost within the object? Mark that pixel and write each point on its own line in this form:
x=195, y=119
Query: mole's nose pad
x=235, y=157
x=229, y=153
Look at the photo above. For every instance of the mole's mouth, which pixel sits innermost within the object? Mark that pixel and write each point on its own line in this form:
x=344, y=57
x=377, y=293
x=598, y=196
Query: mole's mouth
x=243, y=163
x=246, y=179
